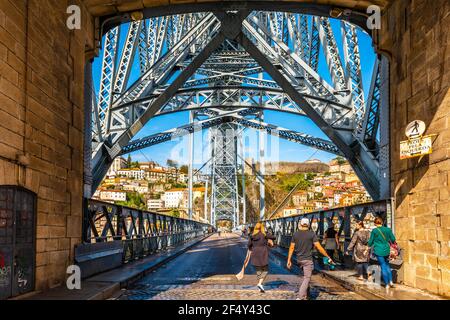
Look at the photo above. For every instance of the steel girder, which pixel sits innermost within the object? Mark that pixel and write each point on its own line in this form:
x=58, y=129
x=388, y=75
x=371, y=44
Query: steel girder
x=126, y=123
x=353, y=71
x=101, y=109
x=343, y=134
x=364, y=164
x=227, y=97
x=224, y=172
x=372, y=117
x=235, y=118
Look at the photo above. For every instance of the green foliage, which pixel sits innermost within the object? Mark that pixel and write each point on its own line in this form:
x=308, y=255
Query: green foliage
x=310, y=176
x=289, y=181
x=172, y=163
x=179, y=185
x=175, y=213
x=184, y=169
x=340, y=160
x=134, y=200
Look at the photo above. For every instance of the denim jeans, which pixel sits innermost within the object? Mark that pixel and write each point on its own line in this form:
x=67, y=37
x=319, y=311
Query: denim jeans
x=361, y=267
x=386, y=271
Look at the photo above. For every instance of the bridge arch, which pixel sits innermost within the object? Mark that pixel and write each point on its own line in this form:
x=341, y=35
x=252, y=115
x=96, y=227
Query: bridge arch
x=42, y=122
x=332, y=110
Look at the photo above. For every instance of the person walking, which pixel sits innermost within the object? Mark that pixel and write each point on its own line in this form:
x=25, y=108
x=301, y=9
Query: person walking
x=331, y=240
x=361, y=251
x=380, y=239
x=259, y=253
x=303, y=243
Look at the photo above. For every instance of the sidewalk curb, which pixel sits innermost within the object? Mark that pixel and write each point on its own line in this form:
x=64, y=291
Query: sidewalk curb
x=116, y=287
x=366, y=293
x=110, y=289
x=157, y=265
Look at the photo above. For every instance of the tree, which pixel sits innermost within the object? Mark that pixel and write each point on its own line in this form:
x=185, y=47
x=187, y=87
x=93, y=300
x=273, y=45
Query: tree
x=129, y=161
x=175, y=213
x=340, y=160
x=134, y=200
x=172, y=163
x=310, y=176
x=290, y=181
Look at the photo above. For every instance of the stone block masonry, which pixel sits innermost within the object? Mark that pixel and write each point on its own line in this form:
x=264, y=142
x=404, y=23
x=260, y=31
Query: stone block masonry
x=416, y=34
x=41, y=127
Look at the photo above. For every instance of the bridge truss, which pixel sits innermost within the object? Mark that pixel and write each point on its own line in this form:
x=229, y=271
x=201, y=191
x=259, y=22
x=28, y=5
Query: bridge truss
x=228, y=67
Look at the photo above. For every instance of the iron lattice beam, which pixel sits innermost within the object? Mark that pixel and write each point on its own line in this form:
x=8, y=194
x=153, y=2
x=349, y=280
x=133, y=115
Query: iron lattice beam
x=218, y=62
x=236, y=118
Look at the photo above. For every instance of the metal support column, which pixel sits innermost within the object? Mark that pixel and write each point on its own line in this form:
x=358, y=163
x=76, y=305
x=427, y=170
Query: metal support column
x=191, y=164
x=243, y=198
x=206, y=201
x=237, y=204
x=262, y=170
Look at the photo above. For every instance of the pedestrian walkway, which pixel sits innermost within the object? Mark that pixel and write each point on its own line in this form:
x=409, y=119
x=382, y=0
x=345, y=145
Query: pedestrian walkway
x=348, y=279
x=373, y=291
x=207, y=272
x=204, y=269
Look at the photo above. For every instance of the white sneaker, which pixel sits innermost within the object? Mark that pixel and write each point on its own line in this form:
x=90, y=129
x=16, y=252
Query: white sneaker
x=261, y=288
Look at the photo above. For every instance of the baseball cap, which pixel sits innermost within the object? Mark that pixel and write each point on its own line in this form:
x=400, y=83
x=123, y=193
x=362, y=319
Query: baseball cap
x=304, y=222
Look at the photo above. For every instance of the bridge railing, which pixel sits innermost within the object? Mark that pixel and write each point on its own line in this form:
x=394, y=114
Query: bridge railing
x=113, y=235
x=344, y=219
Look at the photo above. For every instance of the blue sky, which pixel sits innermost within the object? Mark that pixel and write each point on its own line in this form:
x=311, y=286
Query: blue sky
x=288, y=151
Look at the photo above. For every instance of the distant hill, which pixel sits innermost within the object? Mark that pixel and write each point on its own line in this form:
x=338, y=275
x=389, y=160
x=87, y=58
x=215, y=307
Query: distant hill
x=294, y=167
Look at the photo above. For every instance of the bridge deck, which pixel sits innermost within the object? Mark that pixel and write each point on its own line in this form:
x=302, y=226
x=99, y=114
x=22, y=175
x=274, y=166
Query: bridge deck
x=206, y=272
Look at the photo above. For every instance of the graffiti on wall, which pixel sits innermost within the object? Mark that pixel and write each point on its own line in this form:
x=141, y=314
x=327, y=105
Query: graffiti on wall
x=22, y=272
x=5, y=272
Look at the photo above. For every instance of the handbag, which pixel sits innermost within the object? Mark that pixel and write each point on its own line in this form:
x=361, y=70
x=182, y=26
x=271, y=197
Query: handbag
x=393, y=247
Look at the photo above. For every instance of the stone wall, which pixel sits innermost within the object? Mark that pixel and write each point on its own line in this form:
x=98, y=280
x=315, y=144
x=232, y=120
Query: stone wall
x=41, y=122
x=416, y=34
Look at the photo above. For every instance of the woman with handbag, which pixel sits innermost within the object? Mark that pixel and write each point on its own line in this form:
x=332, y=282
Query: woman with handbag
x=258, y=246
x=383, y=242
x=360, y=249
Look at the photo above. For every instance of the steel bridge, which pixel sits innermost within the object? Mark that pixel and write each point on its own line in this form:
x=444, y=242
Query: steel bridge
x=226, y=68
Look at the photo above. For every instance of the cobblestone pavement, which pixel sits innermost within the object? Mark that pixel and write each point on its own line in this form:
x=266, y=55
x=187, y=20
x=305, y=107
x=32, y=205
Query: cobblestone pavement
x=206, y=272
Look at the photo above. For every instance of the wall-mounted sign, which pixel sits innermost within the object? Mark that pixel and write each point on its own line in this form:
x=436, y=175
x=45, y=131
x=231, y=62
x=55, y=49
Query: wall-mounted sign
x=417, y=145
x=415, y=129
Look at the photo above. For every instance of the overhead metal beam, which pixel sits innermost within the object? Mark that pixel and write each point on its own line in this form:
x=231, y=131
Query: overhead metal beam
x=109, y=153
x=363, y=163
x=273, y=130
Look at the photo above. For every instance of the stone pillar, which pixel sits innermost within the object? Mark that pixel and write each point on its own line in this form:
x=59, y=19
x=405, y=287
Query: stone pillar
x=41, y=122
x=415, y=34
